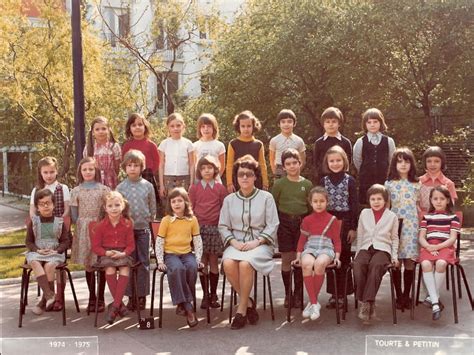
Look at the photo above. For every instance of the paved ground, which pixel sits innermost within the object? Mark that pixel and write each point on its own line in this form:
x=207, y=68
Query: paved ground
x=11, y=219
x=278, y=337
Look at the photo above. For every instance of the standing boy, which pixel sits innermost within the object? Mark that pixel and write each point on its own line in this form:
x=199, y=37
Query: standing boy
x=140, y=195
x=291, y=197
x=332, y=120
x=286, y=139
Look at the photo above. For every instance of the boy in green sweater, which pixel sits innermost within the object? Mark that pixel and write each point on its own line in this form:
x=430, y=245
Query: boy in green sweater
x=291, y=197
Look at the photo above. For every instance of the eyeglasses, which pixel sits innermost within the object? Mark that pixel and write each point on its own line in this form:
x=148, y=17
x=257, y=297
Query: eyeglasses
x=248, y=174
x=45, y=204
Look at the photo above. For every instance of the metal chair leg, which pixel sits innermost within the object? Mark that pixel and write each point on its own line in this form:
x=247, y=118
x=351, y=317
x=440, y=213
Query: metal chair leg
x=206, y=287
x=337, y=298
x=27, y=286
x=22, y=298
x=160, y=309
x=135, y=292
x=420, y=277
x=264, y=293
x=412, y=308
x=255, y=287
x=270, y=297
x=61, y=278
x=392, y=293
x=153, y=283
x=453, y=286
x=345, y=306
x=223, y=292
x=232, y=296
x=458, y=274
x=71, y=283
x=288, y=295
x=468, y=291
x=447, y=280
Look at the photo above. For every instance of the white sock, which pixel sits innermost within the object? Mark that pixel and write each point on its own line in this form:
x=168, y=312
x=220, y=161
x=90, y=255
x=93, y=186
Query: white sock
x=440, y=278
x=430, y=284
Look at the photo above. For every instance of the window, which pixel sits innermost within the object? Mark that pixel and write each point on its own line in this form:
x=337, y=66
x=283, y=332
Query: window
x=117, y=24
x=170, y=86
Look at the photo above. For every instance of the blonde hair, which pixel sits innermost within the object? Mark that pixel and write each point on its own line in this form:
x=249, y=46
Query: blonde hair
x=335, y=150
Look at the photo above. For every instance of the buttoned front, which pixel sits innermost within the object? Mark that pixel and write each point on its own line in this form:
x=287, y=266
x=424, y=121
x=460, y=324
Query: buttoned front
x=106, y=236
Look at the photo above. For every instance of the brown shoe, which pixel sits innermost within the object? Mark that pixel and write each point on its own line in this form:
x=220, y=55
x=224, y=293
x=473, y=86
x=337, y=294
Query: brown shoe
x=372, y=313
x=191, y=319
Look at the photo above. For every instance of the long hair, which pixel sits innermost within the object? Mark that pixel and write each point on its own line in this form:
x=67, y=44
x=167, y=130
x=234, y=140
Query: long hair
x=402, y=153
x=80, y=178
x=46, y=161
x=445, y=192
x=247, y=115
x=176, y=192
x=90, y=134
x=111, y=195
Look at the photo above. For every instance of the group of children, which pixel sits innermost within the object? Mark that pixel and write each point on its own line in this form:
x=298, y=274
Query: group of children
x=317, y=225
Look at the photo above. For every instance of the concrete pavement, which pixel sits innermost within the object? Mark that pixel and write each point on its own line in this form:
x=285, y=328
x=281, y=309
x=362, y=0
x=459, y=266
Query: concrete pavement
x=323, y=336
x=11, y=219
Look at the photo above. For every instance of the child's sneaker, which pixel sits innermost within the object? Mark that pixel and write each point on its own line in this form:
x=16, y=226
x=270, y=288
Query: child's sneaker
x=307, y=310
x=38, y=309
x=50, y=303
x=364, y=311
x=315, y=311
x=427, y=301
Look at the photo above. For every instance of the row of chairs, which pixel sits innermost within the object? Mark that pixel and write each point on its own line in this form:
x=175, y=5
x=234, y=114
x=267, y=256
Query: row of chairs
x=63, y=269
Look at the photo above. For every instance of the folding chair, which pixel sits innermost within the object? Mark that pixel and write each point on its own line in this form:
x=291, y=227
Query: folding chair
x=25, y=281
x=450, y=269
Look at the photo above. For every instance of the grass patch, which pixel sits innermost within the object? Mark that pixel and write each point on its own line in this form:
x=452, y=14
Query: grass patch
x=12, y=259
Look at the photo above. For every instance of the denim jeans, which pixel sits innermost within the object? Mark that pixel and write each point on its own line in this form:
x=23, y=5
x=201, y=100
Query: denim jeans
x=142, y=254
x=182, y=275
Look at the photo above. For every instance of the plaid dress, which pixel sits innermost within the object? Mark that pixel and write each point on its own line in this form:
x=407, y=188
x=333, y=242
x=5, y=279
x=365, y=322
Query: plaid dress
x=106, y=155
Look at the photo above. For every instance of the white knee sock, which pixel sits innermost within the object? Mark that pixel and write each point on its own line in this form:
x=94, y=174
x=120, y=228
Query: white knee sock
x=431, y=286
x=440, y=278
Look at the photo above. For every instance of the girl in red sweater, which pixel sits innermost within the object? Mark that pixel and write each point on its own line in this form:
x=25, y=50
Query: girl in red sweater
x=319, y=245
x=113, y=242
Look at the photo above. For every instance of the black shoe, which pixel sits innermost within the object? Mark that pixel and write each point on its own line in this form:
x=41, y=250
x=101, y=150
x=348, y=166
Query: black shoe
x=407, y=303
x=332, y=302
x=131, y=306
x=123, y=311
x=399, y=303
x=142, y=303
x=91, y=306
x=112, y=313
x=205, y=302
x=436, y=311
x=239, y=321
x=252, y=314
x=214, y=301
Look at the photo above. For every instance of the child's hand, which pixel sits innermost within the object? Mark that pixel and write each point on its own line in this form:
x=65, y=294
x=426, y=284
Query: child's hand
x=434, y=252
x=351, y=236
x=337, y=262
x=431, y=248
x=396, y=263
x=296, y=262
x=230, y=189
x=162, y=192
x=42, y=251
x=161, y=266
x=200, y=265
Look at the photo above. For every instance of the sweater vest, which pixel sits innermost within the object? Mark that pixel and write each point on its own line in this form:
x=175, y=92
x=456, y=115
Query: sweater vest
x=338, y=194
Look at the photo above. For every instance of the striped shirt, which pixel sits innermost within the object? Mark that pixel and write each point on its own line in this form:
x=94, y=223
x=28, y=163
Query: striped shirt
x=439, y=225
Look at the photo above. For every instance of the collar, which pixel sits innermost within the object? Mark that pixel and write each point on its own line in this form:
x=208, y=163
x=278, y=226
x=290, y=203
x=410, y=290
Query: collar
x=252, y=195
x=210, y=184
x=374, y=135
x=122, y=222
x=175, y=217
x=338, y=136
x=288, y=137
x=53, y=185
x=246, y=139
x=441, y=178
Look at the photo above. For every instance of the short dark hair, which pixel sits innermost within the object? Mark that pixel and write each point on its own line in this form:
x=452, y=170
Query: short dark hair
x=434, y=151
x=131, y=120
x=378, y=189
x=248, y=162
x=207, y=160
x=286, y=113
x=247, y=115
x=373, y=114
x=332, y=112
x=403, y=153
x=290, y=153
x=444, y=190
x=42, y=193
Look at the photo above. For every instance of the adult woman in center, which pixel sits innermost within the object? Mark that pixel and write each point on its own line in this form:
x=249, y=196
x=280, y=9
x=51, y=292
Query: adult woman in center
x=248, y=224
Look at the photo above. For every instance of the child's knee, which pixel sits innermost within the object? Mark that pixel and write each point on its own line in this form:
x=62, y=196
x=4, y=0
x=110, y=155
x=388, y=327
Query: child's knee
x=441, y=265
x=426, y=266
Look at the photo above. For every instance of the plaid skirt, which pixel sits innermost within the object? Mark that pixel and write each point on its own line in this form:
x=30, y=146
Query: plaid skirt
x=211, y=239
x=317, y=245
